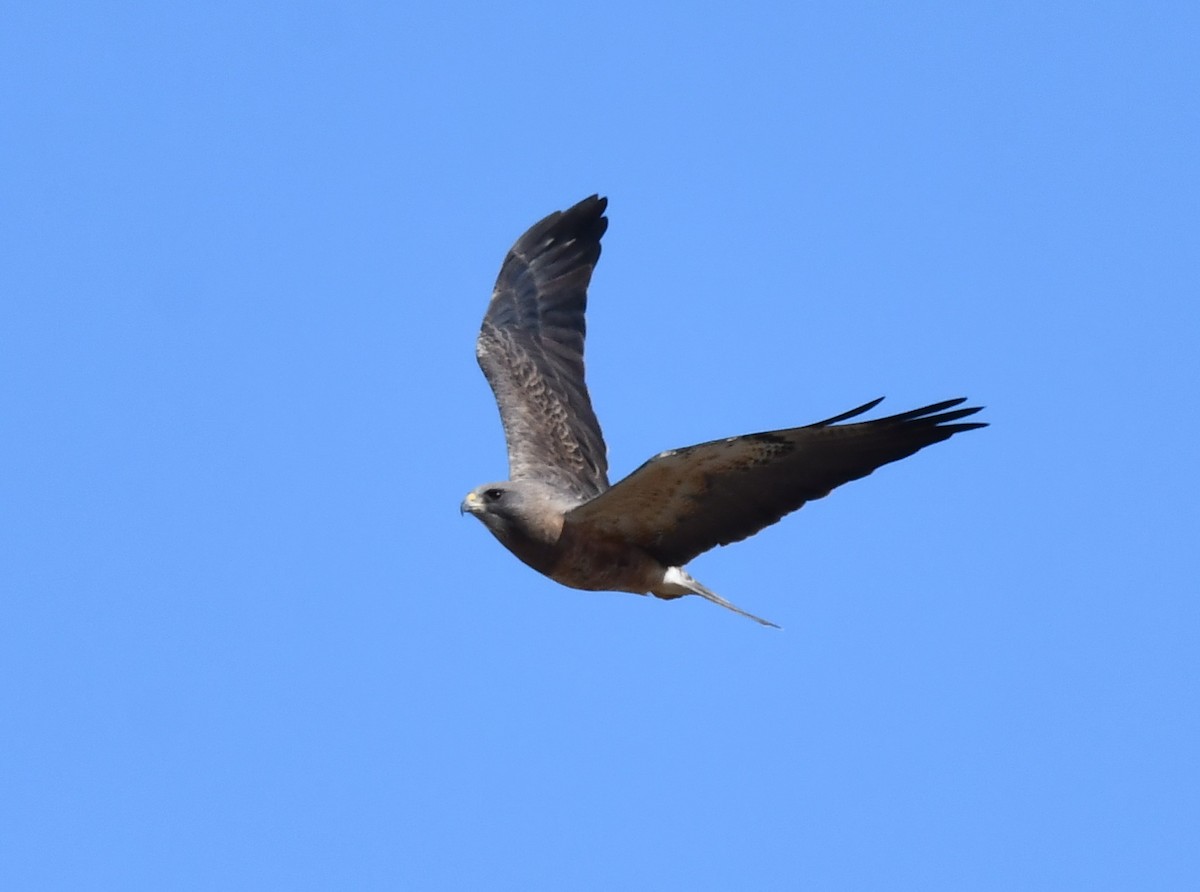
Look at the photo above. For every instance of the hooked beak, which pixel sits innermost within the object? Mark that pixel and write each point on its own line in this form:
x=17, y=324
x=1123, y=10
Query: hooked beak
x=472, y=504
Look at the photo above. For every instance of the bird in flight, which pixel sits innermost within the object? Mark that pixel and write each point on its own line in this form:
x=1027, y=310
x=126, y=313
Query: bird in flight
x=557, y=511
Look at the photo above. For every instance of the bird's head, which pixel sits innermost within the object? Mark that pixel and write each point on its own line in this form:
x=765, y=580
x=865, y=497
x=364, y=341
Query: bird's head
x=492, y=503
x=515, y=511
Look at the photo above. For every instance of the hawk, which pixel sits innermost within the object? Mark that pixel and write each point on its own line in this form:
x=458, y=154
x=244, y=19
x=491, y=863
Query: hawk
x=557, y=512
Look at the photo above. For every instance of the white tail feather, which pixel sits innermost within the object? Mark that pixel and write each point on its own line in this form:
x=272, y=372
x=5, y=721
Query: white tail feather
x=679, y=581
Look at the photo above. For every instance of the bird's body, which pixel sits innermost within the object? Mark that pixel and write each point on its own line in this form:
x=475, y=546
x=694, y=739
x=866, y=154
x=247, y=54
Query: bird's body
x=558, y=513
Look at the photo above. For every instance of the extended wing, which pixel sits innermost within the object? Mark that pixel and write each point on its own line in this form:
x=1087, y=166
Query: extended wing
x=685, y=501
x=530, y=347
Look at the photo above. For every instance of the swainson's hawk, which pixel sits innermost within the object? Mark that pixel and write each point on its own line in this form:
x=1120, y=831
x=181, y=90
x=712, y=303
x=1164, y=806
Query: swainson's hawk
x=558, y=514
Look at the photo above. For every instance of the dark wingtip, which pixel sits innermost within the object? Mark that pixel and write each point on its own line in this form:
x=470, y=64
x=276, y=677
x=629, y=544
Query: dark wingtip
x=590, y=208
x=938, y=419
x=596, y=200
x=582, y=220
x=865, y=407
x=934, y=415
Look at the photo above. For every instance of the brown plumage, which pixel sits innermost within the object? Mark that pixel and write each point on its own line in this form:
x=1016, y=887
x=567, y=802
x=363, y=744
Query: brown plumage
x=557, y=512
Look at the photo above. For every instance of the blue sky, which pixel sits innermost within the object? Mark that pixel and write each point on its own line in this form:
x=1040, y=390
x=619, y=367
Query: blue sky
x=248, y=641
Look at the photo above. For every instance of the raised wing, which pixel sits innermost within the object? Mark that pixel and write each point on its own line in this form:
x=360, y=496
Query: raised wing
x=683, y=502
x=530, y=347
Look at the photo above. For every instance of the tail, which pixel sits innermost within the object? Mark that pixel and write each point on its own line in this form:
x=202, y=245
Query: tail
x=677, y=581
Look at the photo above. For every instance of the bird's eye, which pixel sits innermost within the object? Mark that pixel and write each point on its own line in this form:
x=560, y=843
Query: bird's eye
x=493, y=495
